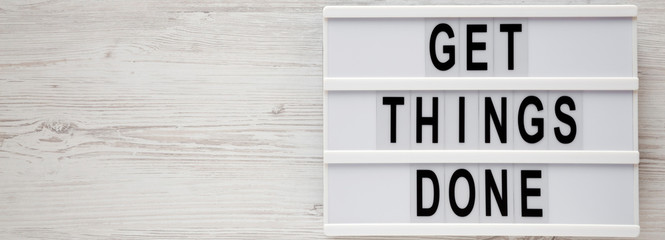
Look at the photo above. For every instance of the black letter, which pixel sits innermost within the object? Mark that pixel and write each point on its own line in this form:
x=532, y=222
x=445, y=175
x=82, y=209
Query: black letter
x=393, y=102
x=511, y=29
x=530, y=212
x=462, y=212
x=491, y=112
x=433, y=120
x=470, y=46
x=450, y=50
x=501, y=200
x=461, y=119
x=420, y=174
x=565, y=118
x=538, y=122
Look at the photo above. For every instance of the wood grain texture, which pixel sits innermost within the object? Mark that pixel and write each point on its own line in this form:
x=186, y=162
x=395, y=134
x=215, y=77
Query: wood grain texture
x=201, y=120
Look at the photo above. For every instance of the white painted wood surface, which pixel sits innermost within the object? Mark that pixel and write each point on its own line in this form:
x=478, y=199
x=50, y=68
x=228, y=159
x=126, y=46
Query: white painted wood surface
x=201, y=120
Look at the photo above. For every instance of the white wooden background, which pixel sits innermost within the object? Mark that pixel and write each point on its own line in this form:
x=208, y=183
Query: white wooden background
x=178, y=119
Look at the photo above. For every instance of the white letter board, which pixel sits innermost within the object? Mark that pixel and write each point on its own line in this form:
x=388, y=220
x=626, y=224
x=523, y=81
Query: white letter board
x=480, y=120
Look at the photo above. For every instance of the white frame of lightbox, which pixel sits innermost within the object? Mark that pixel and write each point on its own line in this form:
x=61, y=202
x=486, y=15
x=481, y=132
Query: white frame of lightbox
x=479, y=156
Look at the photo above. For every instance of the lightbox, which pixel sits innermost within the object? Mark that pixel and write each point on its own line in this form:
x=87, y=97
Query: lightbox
x=481, y=120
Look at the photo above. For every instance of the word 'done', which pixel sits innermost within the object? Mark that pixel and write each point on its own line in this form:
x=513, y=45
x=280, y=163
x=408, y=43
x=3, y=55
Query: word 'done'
x=472, y=192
